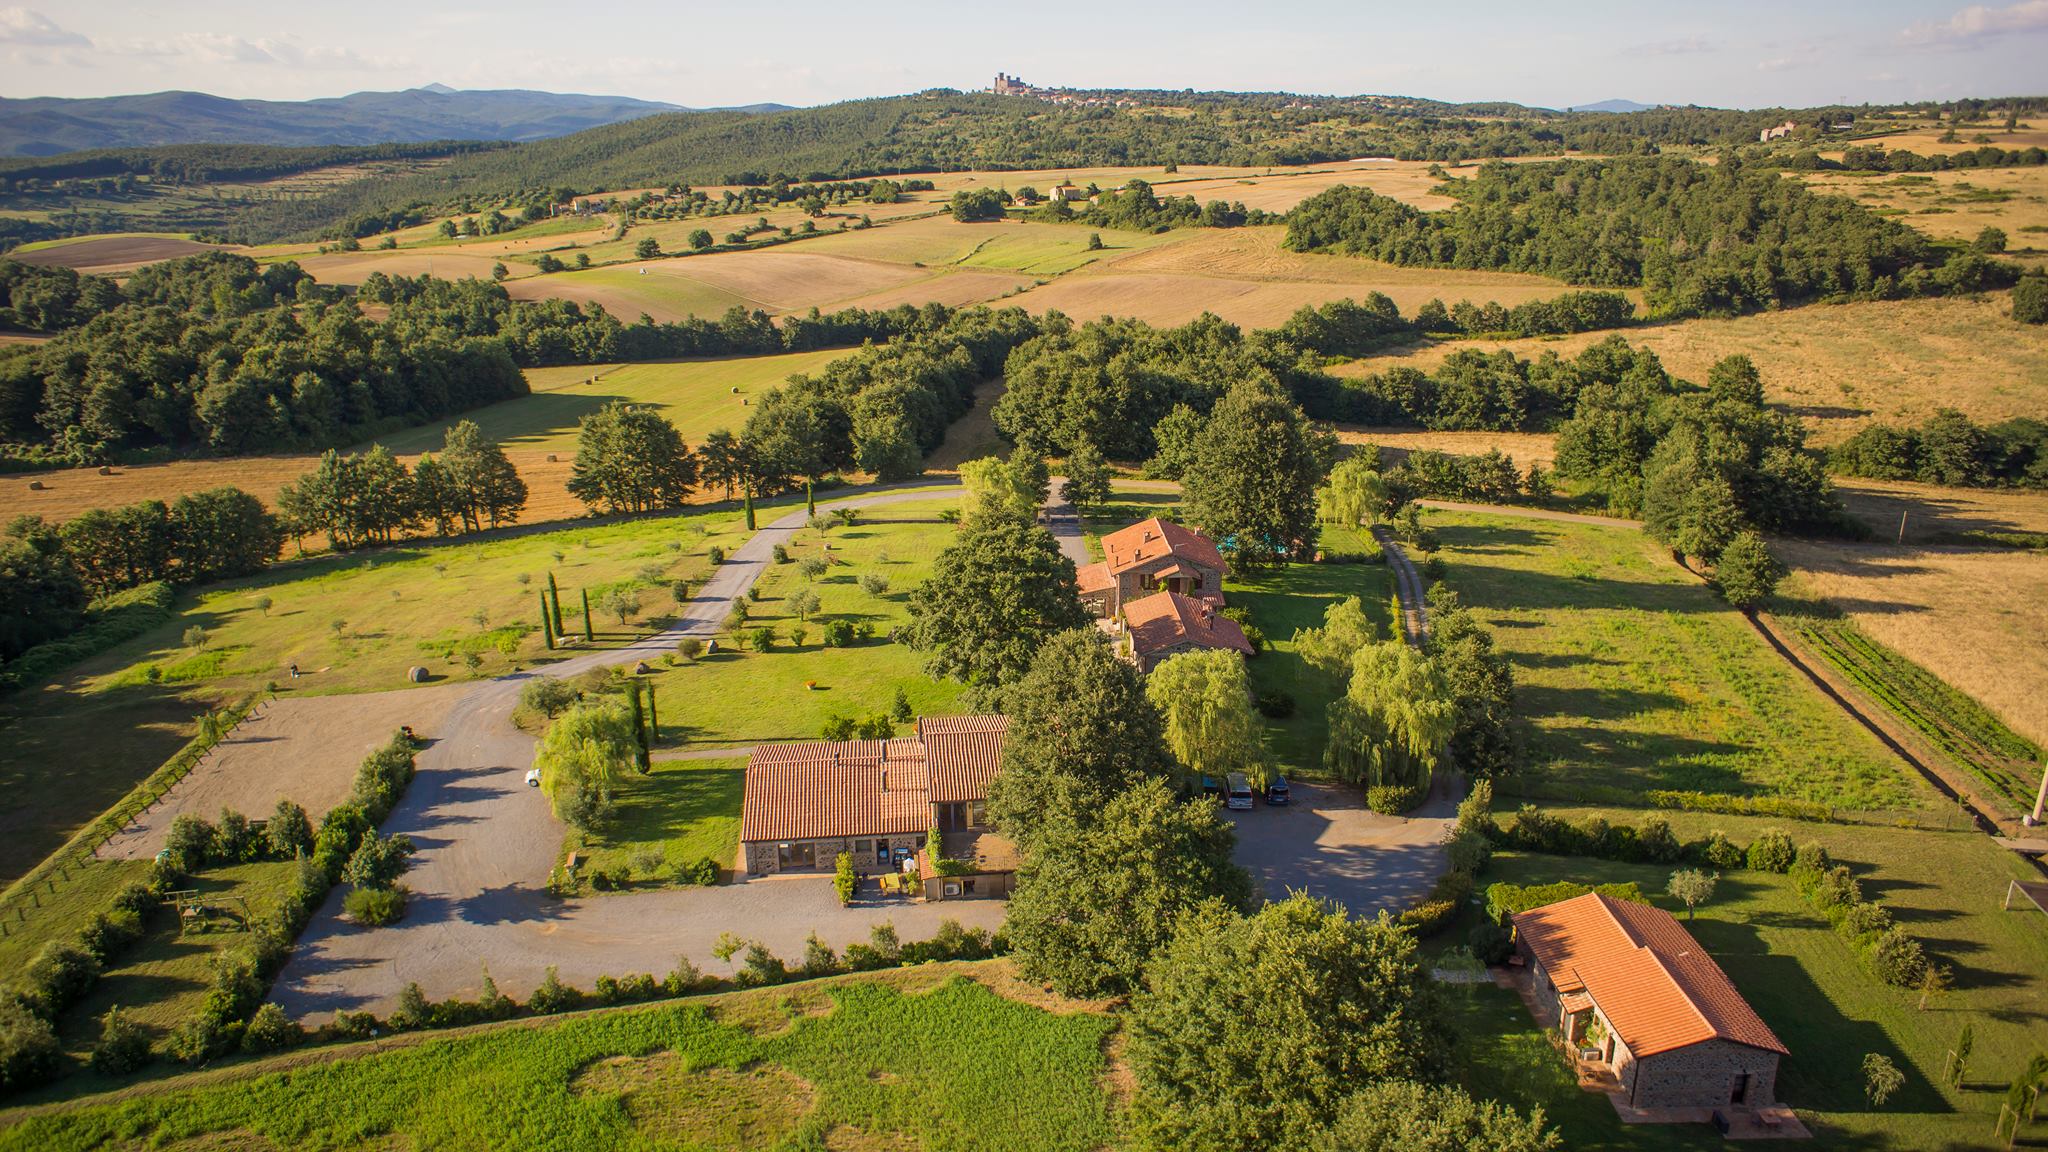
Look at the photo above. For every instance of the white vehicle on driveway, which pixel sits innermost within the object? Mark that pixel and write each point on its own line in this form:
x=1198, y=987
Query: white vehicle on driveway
x=533, y=777
x=1238, y=793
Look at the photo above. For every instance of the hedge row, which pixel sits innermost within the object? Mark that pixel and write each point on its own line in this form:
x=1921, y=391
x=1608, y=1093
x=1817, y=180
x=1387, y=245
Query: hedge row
x=1651, y=842
x=109, y=621
x=1468, y=850
x=1892, y=955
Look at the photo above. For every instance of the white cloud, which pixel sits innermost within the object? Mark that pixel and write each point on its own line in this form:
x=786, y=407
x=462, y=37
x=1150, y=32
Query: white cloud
x=1979, y=23
x=216, y=48
x=23, y=28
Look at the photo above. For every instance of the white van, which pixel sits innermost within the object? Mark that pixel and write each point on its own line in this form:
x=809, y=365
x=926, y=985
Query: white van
x=1238, y=793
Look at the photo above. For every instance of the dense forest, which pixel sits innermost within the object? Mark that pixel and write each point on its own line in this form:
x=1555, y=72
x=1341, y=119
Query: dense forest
x=216, y=354
x=1949, y=449
x=933, y=131
x=1701, y=240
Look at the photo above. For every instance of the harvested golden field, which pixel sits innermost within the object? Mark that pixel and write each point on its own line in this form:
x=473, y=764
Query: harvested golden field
x=1977, y=618
x=1011, y=245
x=777, y=280
x=954, y=289
x=1937, y=515
x=1926, y=141
x=1957, y=205
x=1842, y=366
x=1525, y=448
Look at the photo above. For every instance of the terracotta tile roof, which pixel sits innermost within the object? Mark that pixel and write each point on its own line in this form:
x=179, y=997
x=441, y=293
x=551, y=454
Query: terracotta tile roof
x=818, y=790
x=1094, y=577
x=1654, y=983
x=964, y=753
x=1165, y=619
x=1148, y=540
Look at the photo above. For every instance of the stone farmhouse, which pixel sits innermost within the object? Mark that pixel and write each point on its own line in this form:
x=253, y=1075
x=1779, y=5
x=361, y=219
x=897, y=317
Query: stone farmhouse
x=1157, y=590
x=878, y=800
x=1646, y=1008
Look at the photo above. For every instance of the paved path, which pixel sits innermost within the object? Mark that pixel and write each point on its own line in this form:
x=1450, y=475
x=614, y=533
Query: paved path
x=487, y=843
x=1407, y=586
x=1063, y=520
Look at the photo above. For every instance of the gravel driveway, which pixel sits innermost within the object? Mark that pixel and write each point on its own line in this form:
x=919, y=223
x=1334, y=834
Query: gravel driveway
x=1327, y=844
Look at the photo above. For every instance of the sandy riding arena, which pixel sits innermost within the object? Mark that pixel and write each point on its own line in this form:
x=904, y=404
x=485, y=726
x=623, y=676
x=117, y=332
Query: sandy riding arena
x=305, y=749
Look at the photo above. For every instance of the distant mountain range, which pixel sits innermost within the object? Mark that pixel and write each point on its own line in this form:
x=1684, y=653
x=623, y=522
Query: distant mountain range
x=46, y=126
x=1613, y=106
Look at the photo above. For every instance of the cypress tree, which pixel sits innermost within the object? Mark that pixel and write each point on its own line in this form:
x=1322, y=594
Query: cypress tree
x=588, y=635
x=810, y=500
x=555, y=596
x=750, y=509
x=547, y=628
x=653, y=717
x=640, y=729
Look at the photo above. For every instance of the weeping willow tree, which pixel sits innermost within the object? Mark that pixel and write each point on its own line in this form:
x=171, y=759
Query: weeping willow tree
x=1206, y=701
x=1356, y=492
x=1394, y=719
x=582, y=756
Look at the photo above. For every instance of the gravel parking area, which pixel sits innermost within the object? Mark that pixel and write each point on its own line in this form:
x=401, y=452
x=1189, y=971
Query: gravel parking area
x=1327, y=844
x=303, y=748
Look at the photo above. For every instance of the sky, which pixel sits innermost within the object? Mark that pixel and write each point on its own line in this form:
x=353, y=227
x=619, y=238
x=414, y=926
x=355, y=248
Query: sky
x=1730, y=53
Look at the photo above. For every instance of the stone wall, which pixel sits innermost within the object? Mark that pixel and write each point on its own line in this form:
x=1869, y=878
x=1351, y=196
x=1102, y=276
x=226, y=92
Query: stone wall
x=1700, y=1076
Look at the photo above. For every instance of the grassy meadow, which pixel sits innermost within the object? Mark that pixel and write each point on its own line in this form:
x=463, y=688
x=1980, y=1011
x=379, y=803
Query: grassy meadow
x=923, y=1058
x=1632, y=675
x=678, y=814
x=352, y=623
x=739, y=697
x=1814, y=992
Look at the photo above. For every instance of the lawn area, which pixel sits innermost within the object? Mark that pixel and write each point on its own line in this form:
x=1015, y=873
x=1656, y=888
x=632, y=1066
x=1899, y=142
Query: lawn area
x=1632, y=675
x=697, y=396
x=74, y=747
x=735, y=698
x=681, y=812
x=1811, y=988
x=1292, y=598
x=922, y=1058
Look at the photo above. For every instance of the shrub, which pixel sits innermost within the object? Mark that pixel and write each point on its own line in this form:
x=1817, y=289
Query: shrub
x=108, y=934
x=413, y=1009
x=351, y=1026
x=189, y=845
x=233, y=840
x=553, y=996
x=1897, y=958
x=716, y=555
x=1771, y=851
x=703, y=871
x=844, y=882
x=761, y=639
x=761, y=967
x=1468, y=851
x=1865, y=919
x=1722, y=852
x=61, y=973
x=1491, y=943
x=689, y=648
x=781, y=554
x=1813, y=856
x=683, y=979
x=1275, y=705
x=375, y=907
x=838, y=633
x=1656, y=843
x=547, y=696
x=288, y=830
x=123, y=1045
x=201, y=1037
x=819, y=959
x=874, y=584
x=1392, y=799
x=28, y=1045
x=270, y=1030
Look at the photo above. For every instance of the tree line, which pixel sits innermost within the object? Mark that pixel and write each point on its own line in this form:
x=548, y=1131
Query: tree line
x=1949, y=449
x=1700, y=240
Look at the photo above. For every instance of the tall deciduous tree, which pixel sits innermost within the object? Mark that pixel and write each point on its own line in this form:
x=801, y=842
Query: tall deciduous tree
x=721, y=460
x=1012, y=489
x=1394, y=719
x=631, y=460
x=485, y=487
x=1087, y=481
x=1097, y=898
x=1252, y=482
x=1204, y=699
x=1251, y=1031
x=994, y=597
x=1081, y=730
x=1407, y=1116
x=1747, y=573
x=1356, y=493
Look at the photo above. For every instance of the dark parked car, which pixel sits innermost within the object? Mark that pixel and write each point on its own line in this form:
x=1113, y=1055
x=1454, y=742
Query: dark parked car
x=1276, y=792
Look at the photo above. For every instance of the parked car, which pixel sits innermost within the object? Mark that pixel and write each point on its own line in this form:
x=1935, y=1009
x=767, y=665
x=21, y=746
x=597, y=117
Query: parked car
x=1276, y=792
x=1239, y=793
x=533, y=777
x=1210, y=787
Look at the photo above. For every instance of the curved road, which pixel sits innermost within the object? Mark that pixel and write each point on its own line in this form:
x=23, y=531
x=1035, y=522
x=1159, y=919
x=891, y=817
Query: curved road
x=487, y=842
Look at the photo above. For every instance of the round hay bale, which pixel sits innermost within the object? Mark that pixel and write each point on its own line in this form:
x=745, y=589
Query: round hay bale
x=106, y=470
x=641, y=669
x=35, y=485
x=551, y=457
x=416, y=674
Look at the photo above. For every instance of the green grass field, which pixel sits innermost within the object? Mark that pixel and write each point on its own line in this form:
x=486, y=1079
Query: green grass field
x=681, y=812
x=75, y=746
x=735, y=698
x=1632, y=675
x=1809, y=985
x=1286, y=601
x=917, y=1059
x=697, y=396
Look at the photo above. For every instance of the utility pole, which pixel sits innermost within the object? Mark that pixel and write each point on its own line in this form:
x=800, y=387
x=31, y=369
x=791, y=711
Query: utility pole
x=1902, y=527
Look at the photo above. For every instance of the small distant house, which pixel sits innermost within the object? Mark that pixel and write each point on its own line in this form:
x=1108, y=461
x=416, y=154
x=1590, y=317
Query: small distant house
x=1637, y=997
x=1064, y=191
x=878, y=800
x=1167, y=623
x=1155, y=555
x=1777, y=133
